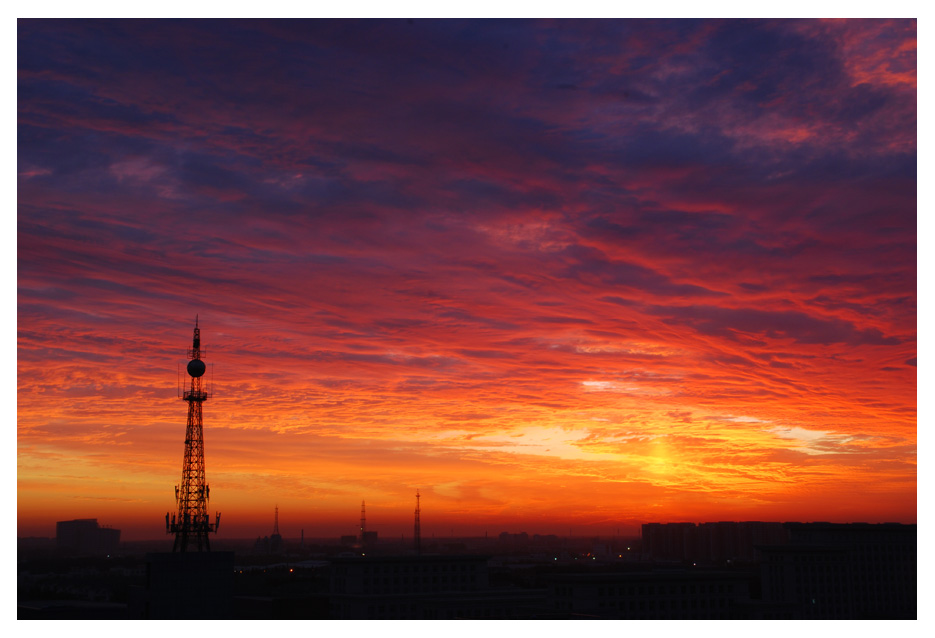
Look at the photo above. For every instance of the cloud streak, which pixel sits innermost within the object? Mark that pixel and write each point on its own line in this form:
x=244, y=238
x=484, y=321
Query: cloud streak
x=667, y=263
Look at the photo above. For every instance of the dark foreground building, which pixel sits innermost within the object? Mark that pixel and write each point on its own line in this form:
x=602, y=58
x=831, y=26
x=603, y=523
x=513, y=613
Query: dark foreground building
x=840, y=571
x=69, y=610
x=186, y=585
x=710, y=543
x=818, y=571
x=667, y=594
x=424, y=587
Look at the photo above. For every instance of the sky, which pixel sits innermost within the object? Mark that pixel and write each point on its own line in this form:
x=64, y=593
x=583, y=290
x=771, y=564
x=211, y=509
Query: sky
x=559, y=276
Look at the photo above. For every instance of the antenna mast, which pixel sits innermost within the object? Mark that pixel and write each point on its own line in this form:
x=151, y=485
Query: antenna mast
x=363, y=522
x=275, y=540
x=191, y=522
x=418, y=530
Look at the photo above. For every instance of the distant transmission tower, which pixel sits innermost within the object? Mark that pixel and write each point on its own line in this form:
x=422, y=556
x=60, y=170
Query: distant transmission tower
x=191, y=523
x=418, y=530
x=363, y=522
x=275, y=540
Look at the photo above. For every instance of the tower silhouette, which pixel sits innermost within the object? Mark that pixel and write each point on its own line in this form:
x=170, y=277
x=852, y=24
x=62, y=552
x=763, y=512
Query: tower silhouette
x=275, y=540
x=191, y=523
x=417, y=532
x=363, y=522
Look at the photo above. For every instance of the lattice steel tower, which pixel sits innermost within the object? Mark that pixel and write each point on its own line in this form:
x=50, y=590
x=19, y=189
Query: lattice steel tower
x=418, y=530
x=191, y=524
x=275, y=540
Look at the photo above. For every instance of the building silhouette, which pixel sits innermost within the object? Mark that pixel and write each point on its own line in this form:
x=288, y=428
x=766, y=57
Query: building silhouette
x=185, y=586
x=85, y=536
x=840, y=571
x=423, y=587
x=710, y=543
x=668, y=594
x=822, y=571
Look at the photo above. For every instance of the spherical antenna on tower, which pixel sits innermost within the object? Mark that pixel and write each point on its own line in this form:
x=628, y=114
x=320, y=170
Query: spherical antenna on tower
x=196, y=368
x=191, y=523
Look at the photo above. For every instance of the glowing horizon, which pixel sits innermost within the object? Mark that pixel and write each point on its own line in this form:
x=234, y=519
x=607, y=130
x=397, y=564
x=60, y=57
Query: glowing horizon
x=554, y=275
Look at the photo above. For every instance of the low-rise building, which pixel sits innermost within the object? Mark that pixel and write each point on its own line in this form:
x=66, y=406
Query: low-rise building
x=85, y=536
x=665, y=594
x=427, y=586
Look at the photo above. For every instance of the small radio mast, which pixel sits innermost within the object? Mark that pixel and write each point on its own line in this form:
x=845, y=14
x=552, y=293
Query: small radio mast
x=363, y=522
x=418, y=530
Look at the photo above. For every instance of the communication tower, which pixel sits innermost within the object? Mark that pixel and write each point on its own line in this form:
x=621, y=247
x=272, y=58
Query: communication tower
x=418, y=531
x=275, y=540
x=190, y=524
x=363, y=522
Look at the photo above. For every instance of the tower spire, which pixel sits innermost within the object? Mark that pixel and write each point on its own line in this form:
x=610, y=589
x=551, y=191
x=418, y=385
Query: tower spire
x=191, y=521
x=417, y=532
x=275, y=540
x=363, y=521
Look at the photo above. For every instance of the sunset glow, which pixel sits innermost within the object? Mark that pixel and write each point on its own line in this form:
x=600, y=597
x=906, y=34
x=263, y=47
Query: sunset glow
x=574, y=275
